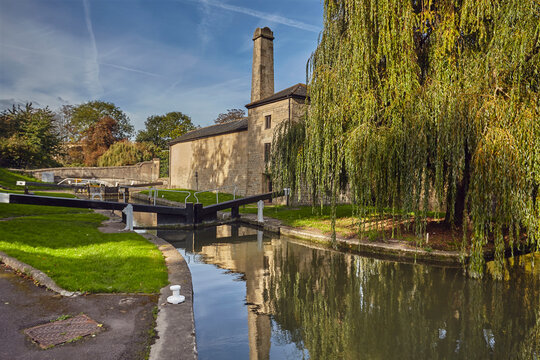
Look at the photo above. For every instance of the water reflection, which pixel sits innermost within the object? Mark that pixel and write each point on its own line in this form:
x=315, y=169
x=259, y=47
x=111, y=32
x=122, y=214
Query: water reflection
x=262, y=298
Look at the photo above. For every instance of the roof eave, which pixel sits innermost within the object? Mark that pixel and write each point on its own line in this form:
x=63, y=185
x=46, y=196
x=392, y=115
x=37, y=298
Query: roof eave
x=270, y=101
x=178, y=141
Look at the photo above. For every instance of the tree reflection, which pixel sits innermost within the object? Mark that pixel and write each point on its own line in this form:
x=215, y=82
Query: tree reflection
x=341, y=306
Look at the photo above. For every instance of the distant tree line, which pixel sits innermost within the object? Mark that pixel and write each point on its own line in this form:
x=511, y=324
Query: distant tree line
x=95, y=133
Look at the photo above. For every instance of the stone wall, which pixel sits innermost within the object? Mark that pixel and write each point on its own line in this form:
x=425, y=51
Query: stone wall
x=219, y=161
x=144, y=172
x=258, y=136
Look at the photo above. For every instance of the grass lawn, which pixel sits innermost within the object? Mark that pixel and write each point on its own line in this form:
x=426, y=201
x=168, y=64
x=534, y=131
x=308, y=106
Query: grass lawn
x=320, y=219
x=206, y=198
x=8, y=179
x=65, y=243
x=310, y=217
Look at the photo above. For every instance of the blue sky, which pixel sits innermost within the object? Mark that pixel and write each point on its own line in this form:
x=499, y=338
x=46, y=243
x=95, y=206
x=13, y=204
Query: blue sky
x=148, y=56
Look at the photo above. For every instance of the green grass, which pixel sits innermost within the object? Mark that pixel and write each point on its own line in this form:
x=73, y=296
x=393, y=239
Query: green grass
x=65, y=243
x=206, y=198
x=310, y=217
x=317, y=218
x=8, y=179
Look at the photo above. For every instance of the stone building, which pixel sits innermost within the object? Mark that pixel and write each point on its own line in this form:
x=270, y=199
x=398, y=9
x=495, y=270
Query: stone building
x=237, y=153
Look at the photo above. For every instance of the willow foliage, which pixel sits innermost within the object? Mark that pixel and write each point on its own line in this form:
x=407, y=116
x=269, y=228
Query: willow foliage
x=411, y=98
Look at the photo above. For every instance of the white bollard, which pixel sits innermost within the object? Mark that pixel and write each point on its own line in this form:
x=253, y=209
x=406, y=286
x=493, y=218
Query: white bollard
x=176, y=298
x=128, y=210
x=260, y=207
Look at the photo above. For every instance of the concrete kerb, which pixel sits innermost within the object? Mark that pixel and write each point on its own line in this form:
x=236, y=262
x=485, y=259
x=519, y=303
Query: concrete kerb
x=175, y=323
x=38, y=276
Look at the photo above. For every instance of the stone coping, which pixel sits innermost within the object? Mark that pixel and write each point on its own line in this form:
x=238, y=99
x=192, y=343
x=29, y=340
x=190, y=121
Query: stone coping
x=393, y=249
x=175, y=324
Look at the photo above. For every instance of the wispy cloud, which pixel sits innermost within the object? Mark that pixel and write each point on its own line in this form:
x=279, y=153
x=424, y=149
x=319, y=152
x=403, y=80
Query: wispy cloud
x=204, y=25
x=262, y=15
x=92, y=65
x=71, y=57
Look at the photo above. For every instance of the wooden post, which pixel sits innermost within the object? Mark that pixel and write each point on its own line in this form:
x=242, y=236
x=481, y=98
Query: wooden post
x=198, y=217
x=190, y=213
x=235, y=212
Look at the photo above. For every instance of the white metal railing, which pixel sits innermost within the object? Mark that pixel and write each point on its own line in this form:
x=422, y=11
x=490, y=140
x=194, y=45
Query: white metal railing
x=234, y=187
x=80, y=181
x=153, y=193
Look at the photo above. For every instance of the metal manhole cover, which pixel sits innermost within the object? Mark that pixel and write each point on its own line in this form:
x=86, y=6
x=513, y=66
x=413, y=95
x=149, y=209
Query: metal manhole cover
x=59, y=332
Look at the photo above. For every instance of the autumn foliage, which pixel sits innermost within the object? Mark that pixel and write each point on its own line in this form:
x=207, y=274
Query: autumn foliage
x=98, y=138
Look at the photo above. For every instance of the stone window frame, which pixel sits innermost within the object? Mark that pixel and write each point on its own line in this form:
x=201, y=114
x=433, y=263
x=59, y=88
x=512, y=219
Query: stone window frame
x=267, y=121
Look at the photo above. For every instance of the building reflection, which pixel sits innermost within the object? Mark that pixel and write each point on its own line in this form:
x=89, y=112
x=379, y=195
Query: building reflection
x=245, y=251
x=338, y=305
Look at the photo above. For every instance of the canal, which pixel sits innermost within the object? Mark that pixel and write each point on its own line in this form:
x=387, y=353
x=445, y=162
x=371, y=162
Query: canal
x=262, y=297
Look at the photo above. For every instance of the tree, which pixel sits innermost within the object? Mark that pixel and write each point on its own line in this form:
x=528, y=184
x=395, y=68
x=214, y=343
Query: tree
x=128, y=153
x=63, y=123
x=28, y=137
x=410, y=98
x=160, y=129
x=98, y=138
x=230, y=115
x=82, y=117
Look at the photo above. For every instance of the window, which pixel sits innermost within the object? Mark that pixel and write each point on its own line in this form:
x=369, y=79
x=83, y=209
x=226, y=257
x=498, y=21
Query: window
x=268, y=121
x=266, y=152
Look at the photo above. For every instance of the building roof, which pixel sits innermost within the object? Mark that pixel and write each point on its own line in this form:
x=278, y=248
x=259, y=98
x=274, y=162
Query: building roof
x=298, y=91
x=213, y=130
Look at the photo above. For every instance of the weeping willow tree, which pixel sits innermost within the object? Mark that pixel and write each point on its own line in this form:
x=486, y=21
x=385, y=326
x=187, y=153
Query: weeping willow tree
x=412, y=98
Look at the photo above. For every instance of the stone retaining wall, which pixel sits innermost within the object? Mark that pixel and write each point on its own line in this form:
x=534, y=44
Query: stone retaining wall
x=143, y=172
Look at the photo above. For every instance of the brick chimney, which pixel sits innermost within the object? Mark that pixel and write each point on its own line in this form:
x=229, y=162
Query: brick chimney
x=262, y=78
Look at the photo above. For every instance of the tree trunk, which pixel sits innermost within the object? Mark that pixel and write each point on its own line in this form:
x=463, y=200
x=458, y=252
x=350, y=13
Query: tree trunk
x=461, y=192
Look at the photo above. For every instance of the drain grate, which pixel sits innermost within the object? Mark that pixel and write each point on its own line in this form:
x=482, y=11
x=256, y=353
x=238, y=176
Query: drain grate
x=58, y=332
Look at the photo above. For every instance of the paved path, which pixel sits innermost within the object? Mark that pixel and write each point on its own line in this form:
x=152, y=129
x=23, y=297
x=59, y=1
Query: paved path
x=125, y=318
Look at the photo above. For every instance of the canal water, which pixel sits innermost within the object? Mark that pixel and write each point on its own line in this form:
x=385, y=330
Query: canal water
x=263, y=297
